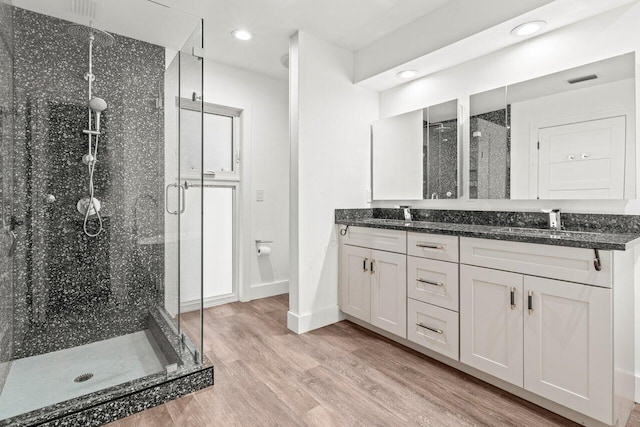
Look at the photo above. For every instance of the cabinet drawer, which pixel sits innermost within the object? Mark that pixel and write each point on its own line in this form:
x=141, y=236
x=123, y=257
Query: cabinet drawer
x=555, y=262
x=438, y=330
x=433, y=282
x=376, y=238
x=434, y=246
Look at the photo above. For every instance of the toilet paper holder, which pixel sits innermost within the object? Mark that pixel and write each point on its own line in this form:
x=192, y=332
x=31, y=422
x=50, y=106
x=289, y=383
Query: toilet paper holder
x=262, y=247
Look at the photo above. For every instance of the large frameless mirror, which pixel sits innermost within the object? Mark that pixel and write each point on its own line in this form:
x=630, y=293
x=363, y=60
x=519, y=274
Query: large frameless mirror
x=566, y=135
x=416, y=155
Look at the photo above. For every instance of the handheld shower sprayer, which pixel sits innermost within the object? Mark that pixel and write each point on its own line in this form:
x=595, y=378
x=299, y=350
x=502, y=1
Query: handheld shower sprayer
x=98, y=105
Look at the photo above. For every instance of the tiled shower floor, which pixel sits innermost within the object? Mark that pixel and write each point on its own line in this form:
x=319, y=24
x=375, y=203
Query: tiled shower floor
x=38, y=381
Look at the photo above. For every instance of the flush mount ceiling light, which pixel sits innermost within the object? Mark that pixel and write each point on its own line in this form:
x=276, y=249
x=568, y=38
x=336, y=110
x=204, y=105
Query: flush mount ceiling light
x=407, y=74
x=243, y=35
x=528, y=28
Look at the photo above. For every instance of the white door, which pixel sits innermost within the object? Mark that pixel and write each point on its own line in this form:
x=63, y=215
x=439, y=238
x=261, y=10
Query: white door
x=355, y=282
x=490, y=325
x=582, y=160
x=389, y=292
x=568, y=342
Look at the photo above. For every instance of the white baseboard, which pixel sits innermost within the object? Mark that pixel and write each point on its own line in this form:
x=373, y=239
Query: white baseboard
x=317, y=319
x=637, y=388
x=265, y=290
x=194, y=305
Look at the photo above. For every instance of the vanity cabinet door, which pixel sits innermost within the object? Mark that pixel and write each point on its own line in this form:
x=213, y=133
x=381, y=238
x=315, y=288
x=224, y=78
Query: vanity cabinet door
x=389, y=292
x=568, y=342
x=355, y=282
x=490, y=325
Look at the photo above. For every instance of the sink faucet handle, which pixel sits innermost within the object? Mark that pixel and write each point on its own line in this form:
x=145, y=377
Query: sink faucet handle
x=555, y=222
x=407, y=212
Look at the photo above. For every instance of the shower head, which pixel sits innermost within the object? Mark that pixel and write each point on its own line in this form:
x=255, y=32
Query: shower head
x=84, y=33
x=98, y=105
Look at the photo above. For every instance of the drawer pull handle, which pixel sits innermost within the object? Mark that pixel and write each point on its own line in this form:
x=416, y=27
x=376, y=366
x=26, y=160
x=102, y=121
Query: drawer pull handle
x=596, y=261
x=437, y=331
x=530, y=302
x=426, y=245
x=513, y=298
x=364, y=265
x=428, y=282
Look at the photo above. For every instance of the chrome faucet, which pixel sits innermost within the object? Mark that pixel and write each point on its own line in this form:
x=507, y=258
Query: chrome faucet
x=555, y=222
x=407, y=212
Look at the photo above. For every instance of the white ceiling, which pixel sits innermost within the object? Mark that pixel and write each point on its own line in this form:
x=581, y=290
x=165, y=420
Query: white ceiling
x=351, y=24
x=373, y=28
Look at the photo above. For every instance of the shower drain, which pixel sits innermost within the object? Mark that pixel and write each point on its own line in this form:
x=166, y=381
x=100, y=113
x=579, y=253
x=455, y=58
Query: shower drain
x=82, y=378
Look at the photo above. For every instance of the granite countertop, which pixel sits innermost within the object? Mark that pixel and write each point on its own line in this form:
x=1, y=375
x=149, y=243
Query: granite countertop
x=577, y=239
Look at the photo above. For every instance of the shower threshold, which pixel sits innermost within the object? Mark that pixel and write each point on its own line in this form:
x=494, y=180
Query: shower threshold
x=39, y=381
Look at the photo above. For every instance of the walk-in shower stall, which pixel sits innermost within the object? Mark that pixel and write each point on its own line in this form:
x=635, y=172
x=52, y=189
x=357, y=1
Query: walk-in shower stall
x=93, y=210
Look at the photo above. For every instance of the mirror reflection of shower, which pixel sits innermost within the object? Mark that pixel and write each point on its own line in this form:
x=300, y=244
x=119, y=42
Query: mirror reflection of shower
x=89, y=206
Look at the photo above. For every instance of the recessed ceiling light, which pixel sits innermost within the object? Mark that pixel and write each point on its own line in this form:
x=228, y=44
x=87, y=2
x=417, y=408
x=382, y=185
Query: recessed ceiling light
x=528, y=28
x=243, y=35
x=407, y=74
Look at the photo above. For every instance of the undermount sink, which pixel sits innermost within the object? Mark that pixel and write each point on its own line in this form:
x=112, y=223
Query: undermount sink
x=543, y=232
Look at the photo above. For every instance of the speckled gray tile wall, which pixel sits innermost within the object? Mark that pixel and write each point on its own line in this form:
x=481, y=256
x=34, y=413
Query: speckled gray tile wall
x=6, y=178
x=72, y=289
x=441, y=170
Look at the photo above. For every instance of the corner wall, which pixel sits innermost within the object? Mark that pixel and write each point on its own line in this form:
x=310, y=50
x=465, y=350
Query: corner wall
x=330, y=121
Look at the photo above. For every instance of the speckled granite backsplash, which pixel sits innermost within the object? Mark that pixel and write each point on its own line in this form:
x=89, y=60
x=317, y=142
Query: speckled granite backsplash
x=572, y=221
x=71, y=289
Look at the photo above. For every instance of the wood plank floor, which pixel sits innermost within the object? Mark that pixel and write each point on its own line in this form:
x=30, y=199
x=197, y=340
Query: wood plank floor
x=340, y=375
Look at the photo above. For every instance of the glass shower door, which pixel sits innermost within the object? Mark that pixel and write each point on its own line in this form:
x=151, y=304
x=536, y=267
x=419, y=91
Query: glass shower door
x=183, y=181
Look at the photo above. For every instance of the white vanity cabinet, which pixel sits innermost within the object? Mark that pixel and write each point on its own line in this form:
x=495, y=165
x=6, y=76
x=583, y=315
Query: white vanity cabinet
x=373, y=283
x=545, y=322
x=552, y=337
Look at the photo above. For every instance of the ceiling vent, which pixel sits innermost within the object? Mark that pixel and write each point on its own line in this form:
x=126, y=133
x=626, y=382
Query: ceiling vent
x=582, y=79
x=84, y=8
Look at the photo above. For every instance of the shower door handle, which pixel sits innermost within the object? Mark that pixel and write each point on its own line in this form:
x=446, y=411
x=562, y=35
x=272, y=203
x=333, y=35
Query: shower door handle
x=166, y=198
x=182, y=202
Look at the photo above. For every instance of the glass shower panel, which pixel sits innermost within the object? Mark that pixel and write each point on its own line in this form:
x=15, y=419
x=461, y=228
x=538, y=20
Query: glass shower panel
x=7, y=235
x=191, y=131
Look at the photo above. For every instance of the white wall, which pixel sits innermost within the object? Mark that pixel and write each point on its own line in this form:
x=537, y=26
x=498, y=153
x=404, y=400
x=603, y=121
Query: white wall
x=263, y=165
x=330, y=158
x=613, y=33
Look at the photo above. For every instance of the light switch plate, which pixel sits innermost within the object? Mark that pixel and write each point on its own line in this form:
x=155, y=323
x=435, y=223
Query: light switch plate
x=259, y=195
